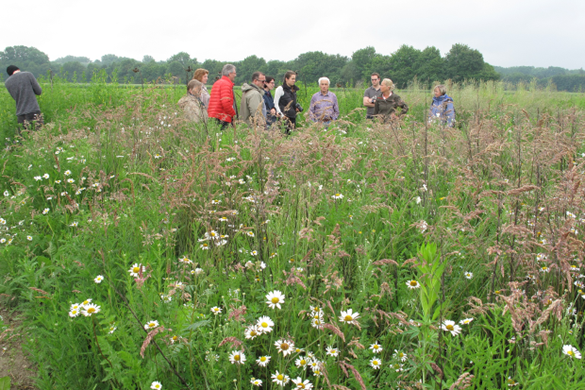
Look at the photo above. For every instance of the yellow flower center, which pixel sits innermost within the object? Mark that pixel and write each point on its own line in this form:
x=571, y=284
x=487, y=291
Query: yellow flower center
x=264, y=325
x=303, y=362
x=337, y=194
x=253, y=333
x=284, y=346
x=333, y=351
x=275, y=300
x=300, y=386
x=263, y=359
x=151, y=325
x=348, y=318
x=136, y=269
x=280, y=377
x=401, y=355
x=413, y=283
x=91, y=310
x=375, y=363
x=236, y=357
x=449, y=327
x=570, y=353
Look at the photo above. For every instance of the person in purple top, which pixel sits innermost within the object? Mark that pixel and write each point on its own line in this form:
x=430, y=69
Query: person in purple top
x=324, y=107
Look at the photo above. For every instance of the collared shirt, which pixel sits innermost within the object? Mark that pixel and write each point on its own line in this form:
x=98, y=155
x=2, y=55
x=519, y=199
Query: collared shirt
x=324, y=107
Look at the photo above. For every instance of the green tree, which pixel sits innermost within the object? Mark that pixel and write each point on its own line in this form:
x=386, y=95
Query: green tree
x=248, y=66
x=63, y=60
x=463, y=62
x=26, y=58
x=362, y=62
x=72, y=71
x=404, y=65
x=431, y=67
x=146, y=59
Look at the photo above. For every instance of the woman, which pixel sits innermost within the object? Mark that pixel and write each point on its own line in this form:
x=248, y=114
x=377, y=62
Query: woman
x=270, y=109
x=442, y=109
x=285, y=100
x=387, y=102
x=202, y=75
x=191, y=103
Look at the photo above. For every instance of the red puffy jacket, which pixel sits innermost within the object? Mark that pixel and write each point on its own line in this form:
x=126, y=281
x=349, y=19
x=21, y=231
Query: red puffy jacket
x=221, y=101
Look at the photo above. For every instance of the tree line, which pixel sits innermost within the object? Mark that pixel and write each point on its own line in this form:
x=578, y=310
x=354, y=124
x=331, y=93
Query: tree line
x=403, y=66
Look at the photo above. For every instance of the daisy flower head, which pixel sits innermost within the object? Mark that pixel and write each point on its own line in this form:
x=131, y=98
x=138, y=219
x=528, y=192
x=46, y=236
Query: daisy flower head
x=152, y=324
x=250, y=233
x=274, y=299
x=332, y=351
x=45, y=211
x=280, y=378
x=74, y=312
x=349, y=317
x=468, y=275
x=412, y=284
x=256, y=382
x=136, y=269
x=376, y=348
x=237, y=357
x=112, y=329
x=90, y=309
x=571, y=351
x=337, y=196
x=314, y=365
x=252, y=332
x=286, y=347
x=29, y=238
x=155, y=385
x=302, y=362
x=185, y=260
x=67, y=172
x=300, y=384
x=466, y=321
x=216, y=310
x=397, y=367
x=376, y=363
x=399, y=355
x=544, y=269
x=450, y=326
x=511, y=382
x=265, y=324
x=263, y=361
x=98, y=279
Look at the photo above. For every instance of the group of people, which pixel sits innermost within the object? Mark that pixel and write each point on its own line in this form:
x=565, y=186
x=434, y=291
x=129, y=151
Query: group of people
x=257, y=106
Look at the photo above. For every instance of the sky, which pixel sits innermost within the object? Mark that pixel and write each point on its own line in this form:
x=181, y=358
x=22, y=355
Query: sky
x=539, y=33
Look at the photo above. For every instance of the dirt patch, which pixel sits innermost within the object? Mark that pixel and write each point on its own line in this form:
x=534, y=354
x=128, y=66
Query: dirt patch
x=13, y=360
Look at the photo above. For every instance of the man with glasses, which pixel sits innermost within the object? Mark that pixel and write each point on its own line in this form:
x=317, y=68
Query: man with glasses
x=252, y=107
x=371, y=95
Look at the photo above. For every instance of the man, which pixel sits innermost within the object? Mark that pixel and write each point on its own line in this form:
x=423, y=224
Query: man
x=252, y=107
x=371, y=94
x=23, y=87
x=324, y=107
x=222, y=102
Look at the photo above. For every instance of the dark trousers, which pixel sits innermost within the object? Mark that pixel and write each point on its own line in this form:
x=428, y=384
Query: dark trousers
x=223, y=124
x=31, y=121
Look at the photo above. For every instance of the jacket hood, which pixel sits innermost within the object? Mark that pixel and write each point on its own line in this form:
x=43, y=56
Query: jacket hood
x=247, y=87
x=443, y=98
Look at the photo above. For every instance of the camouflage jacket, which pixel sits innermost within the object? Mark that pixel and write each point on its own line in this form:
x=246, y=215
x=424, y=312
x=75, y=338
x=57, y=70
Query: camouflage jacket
x=193, y=108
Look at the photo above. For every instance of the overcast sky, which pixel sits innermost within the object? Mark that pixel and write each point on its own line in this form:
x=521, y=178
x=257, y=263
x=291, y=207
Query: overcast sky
x=507, y=32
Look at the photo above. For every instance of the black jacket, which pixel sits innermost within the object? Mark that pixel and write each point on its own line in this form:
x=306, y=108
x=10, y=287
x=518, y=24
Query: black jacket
x=288, y=101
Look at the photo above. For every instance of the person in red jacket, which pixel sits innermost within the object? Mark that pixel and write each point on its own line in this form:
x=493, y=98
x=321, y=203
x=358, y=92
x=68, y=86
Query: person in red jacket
x=222, y=102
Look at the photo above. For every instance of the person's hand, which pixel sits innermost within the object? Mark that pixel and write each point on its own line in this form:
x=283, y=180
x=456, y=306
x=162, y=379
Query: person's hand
x=297, y=110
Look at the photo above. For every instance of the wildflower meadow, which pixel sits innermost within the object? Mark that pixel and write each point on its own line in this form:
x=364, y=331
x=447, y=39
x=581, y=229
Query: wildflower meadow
x=146, y=252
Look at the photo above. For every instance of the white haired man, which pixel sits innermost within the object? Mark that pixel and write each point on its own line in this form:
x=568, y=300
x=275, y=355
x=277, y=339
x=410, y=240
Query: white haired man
x=222, y=102
x=324, y=107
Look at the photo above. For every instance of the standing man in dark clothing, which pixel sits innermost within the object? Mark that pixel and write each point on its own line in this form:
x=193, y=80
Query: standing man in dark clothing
x=285, y=100
x=371, y=94
x=23, y=87
x=269, y=101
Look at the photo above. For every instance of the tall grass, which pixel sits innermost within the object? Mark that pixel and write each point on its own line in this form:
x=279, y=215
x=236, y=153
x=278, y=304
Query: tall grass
x=408, y=224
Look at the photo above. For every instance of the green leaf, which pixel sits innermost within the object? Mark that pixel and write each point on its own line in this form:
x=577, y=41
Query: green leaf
x=5, y=383
x=197, y=325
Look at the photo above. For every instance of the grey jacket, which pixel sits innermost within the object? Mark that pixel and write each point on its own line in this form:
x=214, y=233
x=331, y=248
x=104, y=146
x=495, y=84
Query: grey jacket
x=252, y=107
x=23, y=87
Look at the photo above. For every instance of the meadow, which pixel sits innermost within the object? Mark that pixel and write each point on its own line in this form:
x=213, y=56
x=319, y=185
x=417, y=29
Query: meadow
x=146, y=252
